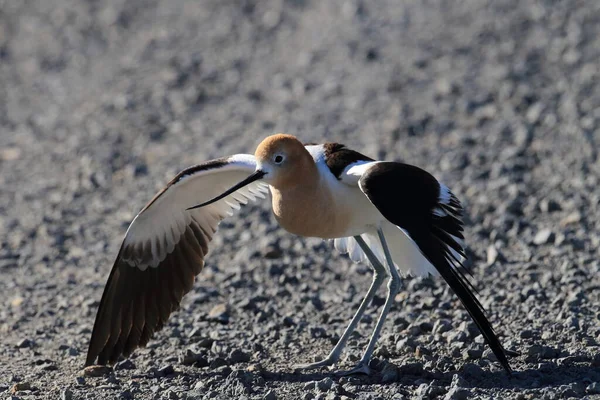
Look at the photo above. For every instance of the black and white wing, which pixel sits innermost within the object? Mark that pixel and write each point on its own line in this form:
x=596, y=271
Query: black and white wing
x=431, y=216
x=163, y=250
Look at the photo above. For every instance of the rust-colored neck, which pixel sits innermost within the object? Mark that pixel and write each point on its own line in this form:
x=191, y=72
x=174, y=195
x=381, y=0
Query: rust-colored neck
x=305, y=205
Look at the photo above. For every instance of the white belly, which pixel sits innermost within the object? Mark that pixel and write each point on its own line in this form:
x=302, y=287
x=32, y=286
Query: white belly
x=361, y=214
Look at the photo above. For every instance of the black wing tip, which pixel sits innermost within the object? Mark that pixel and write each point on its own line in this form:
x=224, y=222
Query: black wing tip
x=505, y=364
x=439, y=254
x=88, y=362
x=94, y=359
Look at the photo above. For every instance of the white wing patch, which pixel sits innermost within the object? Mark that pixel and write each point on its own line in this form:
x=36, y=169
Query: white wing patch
x=444, y=199
x=447, y=207
x=405, y=253
x=355, y=171
x=317, y=151
x=155, y=231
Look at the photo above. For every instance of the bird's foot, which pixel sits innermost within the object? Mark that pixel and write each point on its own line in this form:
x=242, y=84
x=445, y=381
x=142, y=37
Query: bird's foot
x=327, y=362
x=361, y=368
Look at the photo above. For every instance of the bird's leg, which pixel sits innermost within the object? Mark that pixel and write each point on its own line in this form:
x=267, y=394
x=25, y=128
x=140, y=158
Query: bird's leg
x=393, y=286
x=378, y=277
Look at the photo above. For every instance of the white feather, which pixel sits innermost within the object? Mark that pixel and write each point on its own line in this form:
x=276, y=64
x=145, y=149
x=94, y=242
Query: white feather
x=162, y=223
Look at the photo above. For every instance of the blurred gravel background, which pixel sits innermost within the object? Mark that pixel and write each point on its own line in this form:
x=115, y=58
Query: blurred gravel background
x=103, y=101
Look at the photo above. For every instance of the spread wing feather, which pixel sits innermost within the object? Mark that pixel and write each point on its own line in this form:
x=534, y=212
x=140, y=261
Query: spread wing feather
x=163, y=251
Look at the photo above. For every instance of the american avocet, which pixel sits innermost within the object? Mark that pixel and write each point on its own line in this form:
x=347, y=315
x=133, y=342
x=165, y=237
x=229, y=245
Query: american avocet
x=396, y=216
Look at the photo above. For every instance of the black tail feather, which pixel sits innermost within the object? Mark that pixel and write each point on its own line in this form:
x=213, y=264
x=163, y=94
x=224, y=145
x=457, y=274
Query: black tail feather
x=436, y=252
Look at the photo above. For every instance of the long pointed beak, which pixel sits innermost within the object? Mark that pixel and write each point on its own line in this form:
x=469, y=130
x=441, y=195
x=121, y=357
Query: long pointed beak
x=254, y=177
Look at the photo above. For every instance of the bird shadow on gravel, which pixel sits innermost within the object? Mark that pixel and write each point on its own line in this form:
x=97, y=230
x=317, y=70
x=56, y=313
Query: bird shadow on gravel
x=533, y=377
x=524, y=379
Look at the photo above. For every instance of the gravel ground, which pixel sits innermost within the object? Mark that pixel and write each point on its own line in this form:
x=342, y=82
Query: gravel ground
x=103, y=101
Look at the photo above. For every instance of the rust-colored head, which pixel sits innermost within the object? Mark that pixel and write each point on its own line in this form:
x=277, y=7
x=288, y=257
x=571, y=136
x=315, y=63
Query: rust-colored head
x=284, y=159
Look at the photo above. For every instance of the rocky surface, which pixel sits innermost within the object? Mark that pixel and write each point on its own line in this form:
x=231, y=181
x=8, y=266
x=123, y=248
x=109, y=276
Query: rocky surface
x=101, y=102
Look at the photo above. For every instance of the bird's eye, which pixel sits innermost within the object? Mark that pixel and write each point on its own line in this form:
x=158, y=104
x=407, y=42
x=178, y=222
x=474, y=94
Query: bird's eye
x=278, y=159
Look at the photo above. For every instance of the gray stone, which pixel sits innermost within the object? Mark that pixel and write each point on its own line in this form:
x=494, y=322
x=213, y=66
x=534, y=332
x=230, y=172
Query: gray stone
x=526, y=334
x=125, y=364
x=473, y=354
x=593, y=388
x=238, y=356
x=548, y=206
x=272, y=252
x=190, y=357
x=24, y=343
x=472, y=370
x=492, y=254
x=457, y=393
x=126, y=395
x=324, y=384
x=20, y=387
x=219, y=313
x=441, y=326
x=545, y=352
x=390, y=373
x=543, y=236
x=218, y=362
x=96, y=370
x=415, y=368
x=270, y=395
x=165, y=370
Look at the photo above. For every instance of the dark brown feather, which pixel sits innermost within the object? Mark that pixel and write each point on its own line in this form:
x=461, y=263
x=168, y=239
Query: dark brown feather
x=137, y=303
x=141, y=292
x=338, y=158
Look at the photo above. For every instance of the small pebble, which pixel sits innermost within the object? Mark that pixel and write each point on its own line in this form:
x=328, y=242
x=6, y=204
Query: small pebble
x=324, y=384
x=543, y=236
x=492, y=254
x=165, y=370
x=124, y=364
x=24, y=343
x=474, y=354
x=593, y=388
x=441, y=326
x=272, y=252
x=238, y=356
x=219, y=313
x=66, y=394
x=190, y=357
x=218, y=362
x=571, y=219
x=126, y=395
x=96, y=371
x=549, y=206
x=526, y=334
x=457, y=393
x=411, y=368
x=270, y=395
x=21, y=386
x=389, y=373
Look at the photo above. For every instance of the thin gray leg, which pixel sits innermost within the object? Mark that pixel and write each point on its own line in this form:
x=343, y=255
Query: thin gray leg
x=393, y=287
x=378, y=277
